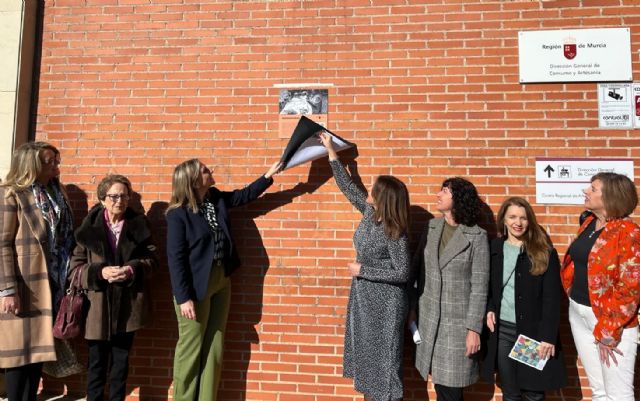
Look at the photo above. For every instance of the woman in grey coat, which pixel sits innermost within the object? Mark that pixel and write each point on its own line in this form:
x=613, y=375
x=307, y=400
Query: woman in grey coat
x=378, y=301
x=452, y=267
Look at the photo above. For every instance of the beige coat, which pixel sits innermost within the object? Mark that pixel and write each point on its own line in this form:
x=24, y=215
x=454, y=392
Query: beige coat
x=28, y=337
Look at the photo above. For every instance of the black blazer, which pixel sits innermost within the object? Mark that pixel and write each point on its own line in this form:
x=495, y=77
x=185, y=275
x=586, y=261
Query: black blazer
x=190, y=243
x=537, y=301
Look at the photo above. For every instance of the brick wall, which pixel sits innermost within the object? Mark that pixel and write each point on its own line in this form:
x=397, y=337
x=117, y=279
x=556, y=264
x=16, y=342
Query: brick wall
x=426, y=89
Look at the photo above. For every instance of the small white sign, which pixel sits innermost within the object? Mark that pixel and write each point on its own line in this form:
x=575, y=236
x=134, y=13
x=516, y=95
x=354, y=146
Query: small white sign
x=575, y=55
x=635, y=107
x=561, y=181
x=615, y=101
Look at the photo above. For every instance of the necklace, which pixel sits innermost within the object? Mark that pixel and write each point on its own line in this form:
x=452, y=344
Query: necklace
x=595, y=229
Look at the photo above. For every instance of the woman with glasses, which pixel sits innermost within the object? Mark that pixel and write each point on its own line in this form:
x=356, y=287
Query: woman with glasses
x=201, y=257
x=115, y=257
x=36, y=240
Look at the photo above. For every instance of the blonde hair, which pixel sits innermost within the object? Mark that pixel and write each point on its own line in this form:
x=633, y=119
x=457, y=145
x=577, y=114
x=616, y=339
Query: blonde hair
x=26, y=165
x=618, y=194
x=184, y=184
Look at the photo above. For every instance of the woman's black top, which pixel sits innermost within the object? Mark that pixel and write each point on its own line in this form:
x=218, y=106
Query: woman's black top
x=579, y=252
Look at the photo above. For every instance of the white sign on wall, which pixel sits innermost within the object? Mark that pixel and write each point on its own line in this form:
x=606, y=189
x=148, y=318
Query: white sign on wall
x=615, y=101
x=561, y=181
x=575, y=55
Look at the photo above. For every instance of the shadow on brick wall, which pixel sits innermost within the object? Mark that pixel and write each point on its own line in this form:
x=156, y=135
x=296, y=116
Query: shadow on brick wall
x=152, y=362
x=415, y=388
x=78, y=199
x=248, y=282
x=487, y=221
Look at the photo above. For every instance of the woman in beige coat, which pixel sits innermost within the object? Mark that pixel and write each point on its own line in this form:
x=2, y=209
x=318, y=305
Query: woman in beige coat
x=36, y=241
x=115, y=257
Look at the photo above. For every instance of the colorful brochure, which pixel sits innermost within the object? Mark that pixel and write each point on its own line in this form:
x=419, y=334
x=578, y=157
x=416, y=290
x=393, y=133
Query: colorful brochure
x=527, y=350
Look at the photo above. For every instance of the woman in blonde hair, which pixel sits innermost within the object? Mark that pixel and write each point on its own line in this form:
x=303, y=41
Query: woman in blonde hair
x=378, y=300
x=524, y=298
x=35, y=248
x=201, y=257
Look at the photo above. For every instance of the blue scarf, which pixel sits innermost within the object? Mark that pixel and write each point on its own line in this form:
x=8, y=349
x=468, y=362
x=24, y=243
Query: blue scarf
x=59, y=220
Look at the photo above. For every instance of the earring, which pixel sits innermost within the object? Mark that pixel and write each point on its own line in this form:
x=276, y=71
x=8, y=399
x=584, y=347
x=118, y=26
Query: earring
x=504, y=231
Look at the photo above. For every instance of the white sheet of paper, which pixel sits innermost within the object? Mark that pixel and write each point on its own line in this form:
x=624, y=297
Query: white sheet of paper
x=312, y=149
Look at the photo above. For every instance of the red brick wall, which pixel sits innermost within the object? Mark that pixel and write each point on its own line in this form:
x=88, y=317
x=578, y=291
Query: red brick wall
x=426, y=89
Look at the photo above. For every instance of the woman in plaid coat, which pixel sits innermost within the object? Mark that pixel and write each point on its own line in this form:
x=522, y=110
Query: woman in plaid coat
x=35, y=247
x=452, y=263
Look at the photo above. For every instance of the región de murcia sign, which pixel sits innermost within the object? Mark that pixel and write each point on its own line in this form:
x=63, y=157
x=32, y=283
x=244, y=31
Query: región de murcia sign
x=575, y=55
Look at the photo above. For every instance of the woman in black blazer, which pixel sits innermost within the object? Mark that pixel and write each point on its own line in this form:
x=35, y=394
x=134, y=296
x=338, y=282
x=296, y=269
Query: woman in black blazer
x=201, y=257
x=524, y=298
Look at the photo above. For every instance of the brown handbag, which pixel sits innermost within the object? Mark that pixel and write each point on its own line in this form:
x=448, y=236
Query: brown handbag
x=71, y=314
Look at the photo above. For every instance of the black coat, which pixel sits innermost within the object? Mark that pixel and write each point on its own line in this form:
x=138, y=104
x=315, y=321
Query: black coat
x=190, y=248
x=537, y=302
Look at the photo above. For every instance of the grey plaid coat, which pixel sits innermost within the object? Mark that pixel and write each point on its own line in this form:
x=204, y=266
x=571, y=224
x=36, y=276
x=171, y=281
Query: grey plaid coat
x=451, y=298
x=28, y=337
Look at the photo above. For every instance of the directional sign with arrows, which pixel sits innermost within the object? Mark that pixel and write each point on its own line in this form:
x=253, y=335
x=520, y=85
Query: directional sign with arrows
x=561, y=181
x=549, y=170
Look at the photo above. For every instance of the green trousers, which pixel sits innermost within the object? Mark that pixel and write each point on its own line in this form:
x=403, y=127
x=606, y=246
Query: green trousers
x=197, y=365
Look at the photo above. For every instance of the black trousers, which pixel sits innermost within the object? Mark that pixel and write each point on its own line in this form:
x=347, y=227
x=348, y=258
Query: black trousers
x=445, y=393
x=507, y=367
x=22, y=382
x=99, y=352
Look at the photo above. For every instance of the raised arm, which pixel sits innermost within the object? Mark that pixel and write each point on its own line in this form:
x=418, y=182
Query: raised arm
x=354, y=194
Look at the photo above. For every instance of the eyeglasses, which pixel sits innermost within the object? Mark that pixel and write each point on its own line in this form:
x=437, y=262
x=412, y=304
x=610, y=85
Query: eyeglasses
x=55, y=161
x=115, y=198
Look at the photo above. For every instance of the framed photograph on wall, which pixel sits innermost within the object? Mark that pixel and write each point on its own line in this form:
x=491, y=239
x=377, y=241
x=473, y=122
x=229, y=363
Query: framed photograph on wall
x=296, y=102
